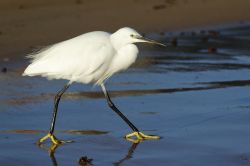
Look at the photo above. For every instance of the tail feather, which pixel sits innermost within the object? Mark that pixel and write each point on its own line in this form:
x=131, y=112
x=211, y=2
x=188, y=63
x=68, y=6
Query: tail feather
x=35, y=68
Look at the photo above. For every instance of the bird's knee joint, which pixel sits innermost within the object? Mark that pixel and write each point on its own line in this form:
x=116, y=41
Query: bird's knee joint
x=57, y=97
x=110, y=104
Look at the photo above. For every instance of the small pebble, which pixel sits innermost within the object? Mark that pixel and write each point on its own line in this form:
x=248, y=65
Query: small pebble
x=204, y=39
x=214, y=33
x=203, y=32
x=21, y=7
x=78, y=2
x=85, y=161
x=243, y=157
x=158, y=7
x=193, y=33
x=182, y=34
x=6, y=59
x=212, y=50
x=4, y=70
x=174, y=42
x=162, y=33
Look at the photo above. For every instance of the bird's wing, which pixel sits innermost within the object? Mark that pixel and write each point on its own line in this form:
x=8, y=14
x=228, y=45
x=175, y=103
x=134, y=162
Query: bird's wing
x=81, y=56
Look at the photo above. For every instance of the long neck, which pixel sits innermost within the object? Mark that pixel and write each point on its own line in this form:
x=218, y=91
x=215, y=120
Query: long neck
x=118, y=41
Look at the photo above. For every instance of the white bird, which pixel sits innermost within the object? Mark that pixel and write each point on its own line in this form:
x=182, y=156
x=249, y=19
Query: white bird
x=89, y=58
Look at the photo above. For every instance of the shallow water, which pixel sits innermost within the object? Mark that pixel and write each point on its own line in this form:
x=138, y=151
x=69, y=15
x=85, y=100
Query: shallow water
x=194, y=94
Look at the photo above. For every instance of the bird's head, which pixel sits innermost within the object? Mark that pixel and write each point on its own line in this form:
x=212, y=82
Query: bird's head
x=128, y=35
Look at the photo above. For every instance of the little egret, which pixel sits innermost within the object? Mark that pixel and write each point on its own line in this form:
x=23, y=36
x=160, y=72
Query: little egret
x=89, y=58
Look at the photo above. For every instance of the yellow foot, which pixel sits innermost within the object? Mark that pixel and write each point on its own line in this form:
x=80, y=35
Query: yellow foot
x=139, y=136
x=53, y=139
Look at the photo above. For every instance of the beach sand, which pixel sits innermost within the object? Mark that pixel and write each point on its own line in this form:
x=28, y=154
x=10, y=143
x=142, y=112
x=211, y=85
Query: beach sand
x=193, y=93
x=25, y=24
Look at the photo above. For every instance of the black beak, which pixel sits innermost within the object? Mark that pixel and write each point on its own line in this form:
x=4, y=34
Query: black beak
x=150, y=41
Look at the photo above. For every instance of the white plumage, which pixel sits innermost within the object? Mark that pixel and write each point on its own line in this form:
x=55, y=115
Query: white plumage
x=89, y=58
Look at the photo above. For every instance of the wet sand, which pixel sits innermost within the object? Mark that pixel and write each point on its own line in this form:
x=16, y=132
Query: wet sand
x=194, y=94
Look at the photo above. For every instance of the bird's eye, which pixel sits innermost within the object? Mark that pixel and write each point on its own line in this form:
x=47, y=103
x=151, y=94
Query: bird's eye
x=132, y=35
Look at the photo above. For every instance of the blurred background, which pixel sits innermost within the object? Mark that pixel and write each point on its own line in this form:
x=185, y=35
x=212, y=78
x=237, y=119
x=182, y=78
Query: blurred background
x=193, y=93
x=27, y=23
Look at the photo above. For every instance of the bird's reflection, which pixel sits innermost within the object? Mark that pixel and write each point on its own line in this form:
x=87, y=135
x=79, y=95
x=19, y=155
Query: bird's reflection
x=84, y=160
x=51, y=150
x=129, y=155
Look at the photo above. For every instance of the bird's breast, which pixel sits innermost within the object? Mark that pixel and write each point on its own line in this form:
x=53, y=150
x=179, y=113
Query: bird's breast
x=124, y=58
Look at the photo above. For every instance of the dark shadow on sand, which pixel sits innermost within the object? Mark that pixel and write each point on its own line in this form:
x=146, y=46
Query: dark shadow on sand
x=97, y=95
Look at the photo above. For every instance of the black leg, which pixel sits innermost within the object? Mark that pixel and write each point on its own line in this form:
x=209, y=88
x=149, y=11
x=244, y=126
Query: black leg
x=56, y=102
x=113, y=107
